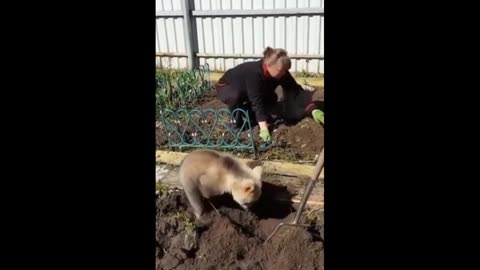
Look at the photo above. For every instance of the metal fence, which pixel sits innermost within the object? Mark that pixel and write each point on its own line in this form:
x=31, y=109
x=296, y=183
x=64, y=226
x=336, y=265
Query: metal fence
x=207, y=128
x=224, y=33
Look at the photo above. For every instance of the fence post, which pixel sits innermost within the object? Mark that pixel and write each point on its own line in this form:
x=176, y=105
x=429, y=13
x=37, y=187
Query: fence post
x=190, y=33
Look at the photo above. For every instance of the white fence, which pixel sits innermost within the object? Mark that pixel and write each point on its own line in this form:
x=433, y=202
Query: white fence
x=225, y=33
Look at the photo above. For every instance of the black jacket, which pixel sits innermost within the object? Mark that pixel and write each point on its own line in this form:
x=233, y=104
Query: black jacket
x=256, y=87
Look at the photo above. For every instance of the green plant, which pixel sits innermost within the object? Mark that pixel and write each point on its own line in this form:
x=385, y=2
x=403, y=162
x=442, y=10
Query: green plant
x=313, y=215
x=161, y=188
x=179, y=88
x=306, y=74
x=189, y=225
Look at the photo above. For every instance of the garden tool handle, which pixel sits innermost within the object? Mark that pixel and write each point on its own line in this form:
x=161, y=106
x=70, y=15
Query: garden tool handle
x=311, y=184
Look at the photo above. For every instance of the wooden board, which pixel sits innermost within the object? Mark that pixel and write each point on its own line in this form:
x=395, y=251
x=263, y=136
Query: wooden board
x=290, y=188
x=273, y=167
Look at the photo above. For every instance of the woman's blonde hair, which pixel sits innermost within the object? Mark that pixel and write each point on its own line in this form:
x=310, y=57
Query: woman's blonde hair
x=271, y=56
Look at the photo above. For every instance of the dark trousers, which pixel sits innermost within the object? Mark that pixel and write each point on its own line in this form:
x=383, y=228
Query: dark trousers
x=231, y=98
x=284, y=104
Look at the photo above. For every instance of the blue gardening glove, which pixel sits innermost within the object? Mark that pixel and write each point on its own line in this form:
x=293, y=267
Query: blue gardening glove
x=318, y=116
x=265, y=135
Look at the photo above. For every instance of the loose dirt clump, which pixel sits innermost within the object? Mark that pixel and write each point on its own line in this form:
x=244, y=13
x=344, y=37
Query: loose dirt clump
x=235, y=238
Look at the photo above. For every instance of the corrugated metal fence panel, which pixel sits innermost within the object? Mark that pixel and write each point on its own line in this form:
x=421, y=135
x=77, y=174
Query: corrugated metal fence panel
x=301, y=35
x=169, y=35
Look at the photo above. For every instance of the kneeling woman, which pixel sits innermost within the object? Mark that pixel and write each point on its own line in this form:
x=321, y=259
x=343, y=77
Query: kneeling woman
x=265, y=88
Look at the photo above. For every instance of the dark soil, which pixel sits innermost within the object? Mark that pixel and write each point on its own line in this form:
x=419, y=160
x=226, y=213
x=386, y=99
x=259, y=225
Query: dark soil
x=235, y=238
x=293, y=142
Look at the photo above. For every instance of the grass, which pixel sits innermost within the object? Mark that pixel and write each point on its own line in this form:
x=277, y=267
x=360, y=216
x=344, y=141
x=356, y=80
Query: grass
x=313, y=215
x=189, y=225
x=306, y=74
x=161, y=188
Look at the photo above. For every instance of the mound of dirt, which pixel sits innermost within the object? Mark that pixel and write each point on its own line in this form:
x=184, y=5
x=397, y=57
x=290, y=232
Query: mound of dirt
x=233, y=238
